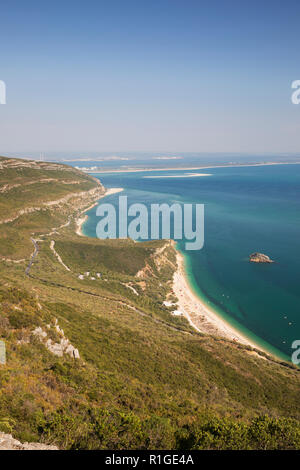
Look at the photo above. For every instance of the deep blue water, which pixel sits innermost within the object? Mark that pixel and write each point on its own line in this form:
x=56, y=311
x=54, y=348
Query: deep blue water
x=247, y=209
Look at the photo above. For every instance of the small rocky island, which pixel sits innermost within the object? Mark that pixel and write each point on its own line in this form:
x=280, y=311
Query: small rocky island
x=260, y=258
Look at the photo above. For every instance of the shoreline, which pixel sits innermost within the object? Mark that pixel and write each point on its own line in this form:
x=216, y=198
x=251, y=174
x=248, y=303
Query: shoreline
x=201, y=317
x=203, y=167
x=186, y=175
x=83, y=218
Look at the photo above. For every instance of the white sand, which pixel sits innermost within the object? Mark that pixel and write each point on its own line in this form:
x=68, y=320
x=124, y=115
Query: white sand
x=82, y=219
x=199, y=315
x=186, y=175
x=101, y=171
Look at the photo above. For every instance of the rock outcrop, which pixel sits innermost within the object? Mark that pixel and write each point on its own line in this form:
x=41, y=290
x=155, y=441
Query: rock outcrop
x=58, y=349
x=260, y=258
x=7, y=442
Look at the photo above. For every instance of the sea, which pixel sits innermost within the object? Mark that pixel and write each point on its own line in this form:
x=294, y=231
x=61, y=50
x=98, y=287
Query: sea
x=247, y=209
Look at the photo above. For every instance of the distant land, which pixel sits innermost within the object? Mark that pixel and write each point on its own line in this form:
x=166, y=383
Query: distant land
x=148, y=159
x=96, y=169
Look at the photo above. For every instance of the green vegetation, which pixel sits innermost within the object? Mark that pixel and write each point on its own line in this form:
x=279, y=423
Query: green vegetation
x=123, y=257
x=145, y=379
x=32, y=201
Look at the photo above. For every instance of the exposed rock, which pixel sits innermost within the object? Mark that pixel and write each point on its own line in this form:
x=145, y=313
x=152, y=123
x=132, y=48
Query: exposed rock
x=40, y=333
x=7, y=442
x=64, y=347
x=260, y=258
x=58, y=349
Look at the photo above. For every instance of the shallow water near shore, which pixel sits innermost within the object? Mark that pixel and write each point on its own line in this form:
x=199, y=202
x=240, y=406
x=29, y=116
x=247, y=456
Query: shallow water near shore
x=247, y=209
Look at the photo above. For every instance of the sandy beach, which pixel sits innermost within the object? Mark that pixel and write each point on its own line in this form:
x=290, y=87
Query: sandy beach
x=99, y=171
x=82, y=218
x=201, y=317
x=185, y=175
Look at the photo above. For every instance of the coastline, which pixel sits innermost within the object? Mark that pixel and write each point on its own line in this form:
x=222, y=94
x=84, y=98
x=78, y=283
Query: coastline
x=199, y=315
x=186, y=175
x=203, y=167
x=83, y=218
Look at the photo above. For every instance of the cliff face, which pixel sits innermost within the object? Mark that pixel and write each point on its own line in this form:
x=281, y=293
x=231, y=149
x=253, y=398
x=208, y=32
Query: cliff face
x=260, y=258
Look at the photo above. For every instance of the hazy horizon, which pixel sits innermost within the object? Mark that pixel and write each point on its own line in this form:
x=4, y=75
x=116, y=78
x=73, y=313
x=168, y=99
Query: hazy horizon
x=167, y=76
x=89, y=161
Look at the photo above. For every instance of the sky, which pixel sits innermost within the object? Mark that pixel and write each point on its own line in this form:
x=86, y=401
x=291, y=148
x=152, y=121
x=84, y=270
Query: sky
x=155, y=76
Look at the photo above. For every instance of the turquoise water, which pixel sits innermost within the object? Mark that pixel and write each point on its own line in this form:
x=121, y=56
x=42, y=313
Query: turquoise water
x=247, y=209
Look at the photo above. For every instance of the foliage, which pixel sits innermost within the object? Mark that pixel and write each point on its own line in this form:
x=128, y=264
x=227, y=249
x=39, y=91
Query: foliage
x=145, y=379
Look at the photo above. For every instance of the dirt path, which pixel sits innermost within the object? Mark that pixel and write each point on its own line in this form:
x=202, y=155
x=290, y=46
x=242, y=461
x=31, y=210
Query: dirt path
x=52, y=244
x=35, y=253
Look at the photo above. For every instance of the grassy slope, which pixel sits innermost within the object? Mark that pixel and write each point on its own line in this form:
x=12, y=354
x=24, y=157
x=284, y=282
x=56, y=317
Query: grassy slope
x=145, y=378
x=33, y=185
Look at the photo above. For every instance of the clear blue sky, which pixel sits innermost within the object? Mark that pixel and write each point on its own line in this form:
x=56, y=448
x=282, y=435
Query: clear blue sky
x=160, y=76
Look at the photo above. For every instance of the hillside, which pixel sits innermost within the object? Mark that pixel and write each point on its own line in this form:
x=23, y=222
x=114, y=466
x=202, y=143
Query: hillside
x=37, y=196
x=94, y=358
